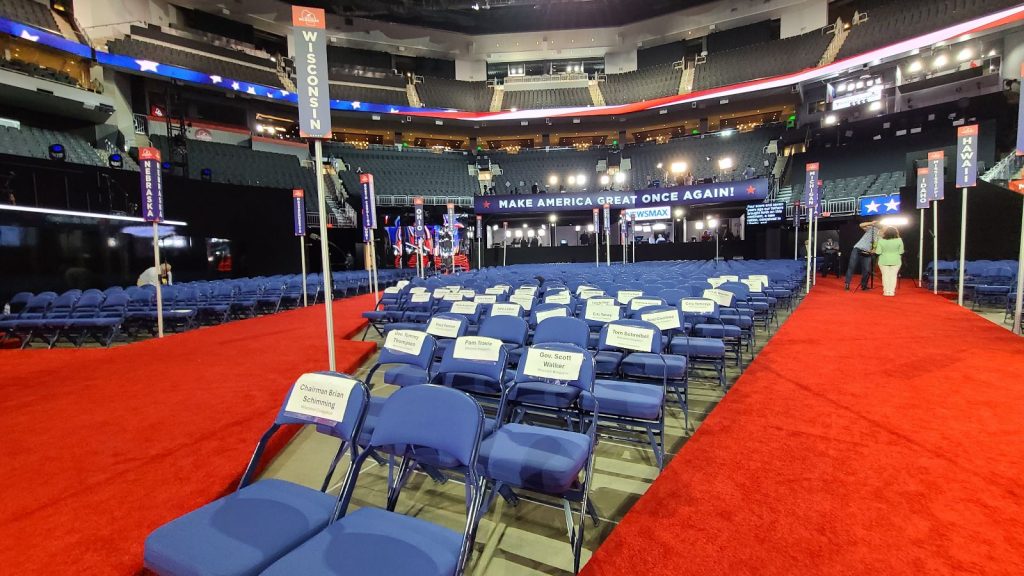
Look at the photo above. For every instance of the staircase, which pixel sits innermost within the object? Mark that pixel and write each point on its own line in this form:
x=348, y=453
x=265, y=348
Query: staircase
x=595, y=93
x=839, y=36
x=413, y=95
x=282, y=75
x=686, y=79
x=497, y=97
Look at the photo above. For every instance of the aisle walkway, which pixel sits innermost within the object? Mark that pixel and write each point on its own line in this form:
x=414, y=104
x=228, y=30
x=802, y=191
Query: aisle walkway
x=100, y=446
x=871, y=436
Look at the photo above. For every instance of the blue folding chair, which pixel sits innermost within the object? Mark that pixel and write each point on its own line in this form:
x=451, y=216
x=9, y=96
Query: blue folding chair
x=251, y=528
x=423, y=425
x=408, y=355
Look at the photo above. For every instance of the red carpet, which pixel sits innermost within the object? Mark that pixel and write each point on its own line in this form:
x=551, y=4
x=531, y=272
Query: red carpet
x=99, y=447
x=871, y=436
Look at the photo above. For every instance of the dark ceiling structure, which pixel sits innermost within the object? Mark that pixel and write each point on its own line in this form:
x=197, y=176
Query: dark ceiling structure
x=504, y=16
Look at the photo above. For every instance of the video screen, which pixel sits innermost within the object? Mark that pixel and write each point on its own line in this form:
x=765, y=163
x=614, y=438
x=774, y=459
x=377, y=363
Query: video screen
x=765, y=213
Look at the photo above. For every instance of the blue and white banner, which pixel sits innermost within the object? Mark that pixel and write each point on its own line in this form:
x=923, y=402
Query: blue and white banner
x=936, y=173
x=418, y=211
x=369, y=201
x=451, y=217
x=811, y=196
x=151, y=182
x=479, y=227
x=738, y=191
x=299, y=211
x=967, y=156
x=597, y=221
x=924, y=187
x=652, y=213
x=880, y=205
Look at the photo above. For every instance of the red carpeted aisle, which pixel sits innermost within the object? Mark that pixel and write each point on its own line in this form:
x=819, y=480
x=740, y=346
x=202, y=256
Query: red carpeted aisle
x=871, y=436
x=99, y=447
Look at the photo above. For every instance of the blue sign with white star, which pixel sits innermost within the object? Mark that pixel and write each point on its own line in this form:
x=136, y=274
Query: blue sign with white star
x=880, y=205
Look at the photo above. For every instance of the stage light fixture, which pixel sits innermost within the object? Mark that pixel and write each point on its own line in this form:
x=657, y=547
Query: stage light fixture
x=526, y=225
x=725, y=163
x=590, y=227
x=940, y=61
x=659, y=165
x=572, y=180
x=552, y=180
x=115, y=161
x=875, y=106
x=57, y=152
x=830, y=119
x=206, y=175
x=542, y=232
x=620, y=177
x=578, y=227
x=678, y=167
x=605, y=180
x=712, y=223
x=581, y=179
x=698, y=225
x=679, y=212
x=895, y=221
x=965, y=54
x=915, y=66
x=508, y=233
x=553, y=218
x=519, y=233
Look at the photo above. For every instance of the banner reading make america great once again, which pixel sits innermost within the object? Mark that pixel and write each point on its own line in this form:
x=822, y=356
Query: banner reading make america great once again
x=720, y=192
x=310, y=44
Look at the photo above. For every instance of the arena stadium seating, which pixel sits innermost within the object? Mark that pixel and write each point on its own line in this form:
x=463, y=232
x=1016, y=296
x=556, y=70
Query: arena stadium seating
x=643, y=84
x=195, y=61
x=365, y=93
x=701, y=155
x=537, y=166
x=35, y=143
x=761, y=60
x=29, y=12
x=889, y=21
x=38, y=71
x=855, y=187
x=445, y=93
x=242, y=165
x=547, y=98
x=406, y=173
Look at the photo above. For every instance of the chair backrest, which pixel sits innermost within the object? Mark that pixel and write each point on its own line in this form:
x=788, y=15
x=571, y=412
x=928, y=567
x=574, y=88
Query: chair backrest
x=432, y=417
x=335, y=402
x=508, y=329
x=90, y=301
x=544, y=311
x=643, y=302
x=668, y=319
x=557, y=363
x=40, y=302
x=567, y=330
x=630, y=335
x=447, y=326
x=409, y=347
x=18, y=301
x=479, y=357
x=115, y=302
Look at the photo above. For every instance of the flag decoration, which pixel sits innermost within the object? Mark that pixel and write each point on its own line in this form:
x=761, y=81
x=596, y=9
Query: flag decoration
x=880, y=205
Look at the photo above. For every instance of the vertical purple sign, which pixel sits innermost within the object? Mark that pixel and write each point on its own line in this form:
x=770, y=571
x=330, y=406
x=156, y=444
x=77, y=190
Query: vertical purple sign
x=299, y=211
x=369, y=201
x=152, y=185
x=811, y=185
x=479, y=227
x=417, y=203
x=924, y=190
x=607, y=218
x=936, y=171
x=967, y=156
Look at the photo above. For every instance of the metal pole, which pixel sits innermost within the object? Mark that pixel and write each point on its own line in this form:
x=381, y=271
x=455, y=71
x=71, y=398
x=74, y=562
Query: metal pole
x=608, y=247
x=935, y=246
x=920, y=255
x=814, y=250
x=376, y=284
x=1020, y=279
x=807, y=255
x=796, y=235
x=632, y=242
x=159, y=290
x=479, y=254
x=504, y=251
x=302, y=254
x=325, y=255
x=597, y=248
x=963, y=249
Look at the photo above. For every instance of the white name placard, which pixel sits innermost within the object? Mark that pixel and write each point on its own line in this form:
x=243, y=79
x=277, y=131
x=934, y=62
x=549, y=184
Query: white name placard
x=630, y=338
x=320, y=398
x=506, y=309
x=665, y=320
x=420, y=297
x=625, y=296
x=467, y=293
x=496, y=290
x=528, y=290
x=485, y=298
x=716, y=282
x=553, y=313
x=443, y=327
x=392, y=290
x=697, y=306
x=453, y=288
x=754, y=285
x=721, y=297
x=405, y=341
x=562, y=297
x=763, y=278
x=477, y=348
x=402, y=284
x=640, y=303
x=417, y=289
x=553, y=364
x=440, y=292
x=591, y=293
x=464, y=307
x=452, y=296
x=602, y=310
x=523, y=300
x=584, y=287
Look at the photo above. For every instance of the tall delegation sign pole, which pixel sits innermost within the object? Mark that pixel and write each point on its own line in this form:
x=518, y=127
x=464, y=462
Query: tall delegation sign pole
x=310, y=42
x=152, y=185
x=966, y=177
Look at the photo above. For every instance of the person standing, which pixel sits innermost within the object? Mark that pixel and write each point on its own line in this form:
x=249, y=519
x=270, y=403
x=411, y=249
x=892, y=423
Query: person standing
x=830, y=248
x=890, y=258
x=154, y=276
x=860, y=256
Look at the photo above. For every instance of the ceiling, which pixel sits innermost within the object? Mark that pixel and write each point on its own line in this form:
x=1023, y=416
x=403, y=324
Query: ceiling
x=504, y=16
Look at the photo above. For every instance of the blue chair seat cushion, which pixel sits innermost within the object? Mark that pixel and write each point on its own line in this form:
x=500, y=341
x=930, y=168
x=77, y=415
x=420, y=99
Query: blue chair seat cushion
x=607, y=361
x=406, y=376
x=545, y=460
x=627, y=399
x=241, y=533
x=647, y=365
x=547, y=394
x=375, y=541
x=700, y=347
x=718, y=331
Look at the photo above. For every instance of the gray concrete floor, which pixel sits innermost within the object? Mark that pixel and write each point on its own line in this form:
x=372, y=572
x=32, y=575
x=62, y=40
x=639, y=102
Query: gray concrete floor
x=527, y=539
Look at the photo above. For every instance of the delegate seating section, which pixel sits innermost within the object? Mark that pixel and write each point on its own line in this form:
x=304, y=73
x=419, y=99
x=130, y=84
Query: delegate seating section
x=644, y=84
x=987, y=283
x=406, y=173
x=857, y=186
x=537, y=166
x=29, y=12
x=362, y=93
x=890, y=21
x=176, y=57
x=761, y=60
x=126, y=313
x=548, y=98
x=701, y=155
x=240, y=165
x=445, y=93
x=35, y=143
x=641, y=336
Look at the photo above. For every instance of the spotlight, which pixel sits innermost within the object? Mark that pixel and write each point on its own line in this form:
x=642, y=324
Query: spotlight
x=590, y=227
x=965, y=54
x=659, y=165
x=519, y=233
x=508, y=233
x=940, y=61
x=677, y=167
x=605, y=180
x=578, y=227
x=495, y=227
x=57, y=152
x=206, y=175
x=115, y=161
x=581, y=179
x=542, y=232
x=915, y=66
x=530, y=233
x=572, y=180
x=875, y=106
x=679, y=212
x=620, y=177
x=713, y=223
x=830, y=120
x=552, y=180
x=895, y=221
x=526, y=225
x=553, y=218
x=725, y=163
x=698, y=225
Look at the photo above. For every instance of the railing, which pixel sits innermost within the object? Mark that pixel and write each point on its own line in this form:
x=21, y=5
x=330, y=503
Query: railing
x=834, y=207
x=573, y=77
x=313, y=220
x=140, y=123
x=1005, y=169
x=402, y=200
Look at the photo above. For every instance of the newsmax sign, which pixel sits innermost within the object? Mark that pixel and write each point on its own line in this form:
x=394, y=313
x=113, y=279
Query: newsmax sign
x=721, y=192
